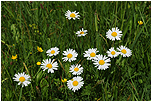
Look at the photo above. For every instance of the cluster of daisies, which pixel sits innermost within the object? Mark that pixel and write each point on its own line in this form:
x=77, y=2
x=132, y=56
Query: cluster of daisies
x=102, y=62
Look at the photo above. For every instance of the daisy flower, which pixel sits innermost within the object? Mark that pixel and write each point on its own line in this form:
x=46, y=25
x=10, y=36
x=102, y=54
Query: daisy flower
x=73, y=15
x=76, y=69
x=75, y=84
x=50, y=65
x=70, y=55
x=114, y=34
x=112, y=53
x=39, y=49
x=101, y=62
x=52, y=51
x=81, y=33
x=124, y=51
x=91, y=53
x=22, y=78
x=14, y=57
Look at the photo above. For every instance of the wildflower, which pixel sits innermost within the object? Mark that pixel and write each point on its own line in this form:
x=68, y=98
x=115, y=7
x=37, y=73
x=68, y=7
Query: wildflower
x=33, y=24
x=76, y=69
x=75, y=84
x=38, y=63
x=11, y=63
x=73, y=15
x=30, y=52
x=114, y=34
x=41, y=6
x=50, y=65
x=52, y=51
x=140, y=22
x=22, y=78
x=91, y=53
x=112, y=53
x=13, y=44
x=124, y=51
x=39, y=49
x=101, y=62
x=81, y=33
x=14, y=57
x=30, y=25
x=65, y=80
x=70, y=55
x=37, y=31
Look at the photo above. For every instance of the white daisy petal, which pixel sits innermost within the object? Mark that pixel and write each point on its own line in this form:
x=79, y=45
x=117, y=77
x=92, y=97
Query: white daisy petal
x=124, y=51
x=52, y=51
x=75, y=84
x=112, y=53
x=73, y=15
x=113, y=35
x=70, y=55
x=91, y=54
x=102, y=62
x=50, y=65
x=81, y=33
x=76, y=69
x=22, y=78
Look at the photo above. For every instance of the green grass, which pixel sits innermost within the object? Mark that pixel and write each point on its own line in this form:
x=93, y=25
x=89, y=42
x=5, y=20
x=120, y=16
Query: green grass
x=126, y=79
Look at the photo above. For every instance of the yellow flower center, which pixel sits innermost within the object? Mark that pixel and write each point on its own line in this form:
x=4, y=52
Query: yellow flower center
x=101, y=62
x=113, y=52
x=72, y=15
x=76, y=69
x=92, y=54
x=21, y=79
x=49, y=66
x=69, y=55
x=124, y=51
x=82, y=32
x=52, y=52
x=75, y=83
x=114, y=34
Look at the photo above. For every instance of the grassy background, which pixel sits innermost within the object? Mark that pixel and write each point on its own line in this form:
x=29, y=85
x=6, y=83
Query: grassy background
x=126, y=79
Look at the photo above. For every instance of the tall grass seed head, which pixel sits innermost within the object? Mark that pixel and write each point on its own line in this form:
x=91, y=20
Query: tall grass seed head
x=114, y=34
x=102, y=62
x=75, y=84
x=112, y=53
x=49, y=65
x=22, y=78
x=124, y=51
x=91, y=53
x=52, y=51
x=70, y=55
x=81, y=32
x=76, y=69
x=73, y=15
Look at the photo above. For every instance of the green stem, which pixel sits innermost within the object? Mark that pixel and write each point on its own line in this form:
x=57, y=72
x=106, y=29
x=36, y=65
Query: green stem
x=20, y=94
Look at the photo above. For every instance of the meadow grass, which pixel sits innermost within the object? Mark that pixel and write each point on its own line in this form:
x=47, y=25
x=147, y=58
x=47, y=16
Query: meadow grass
x=126, y=79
